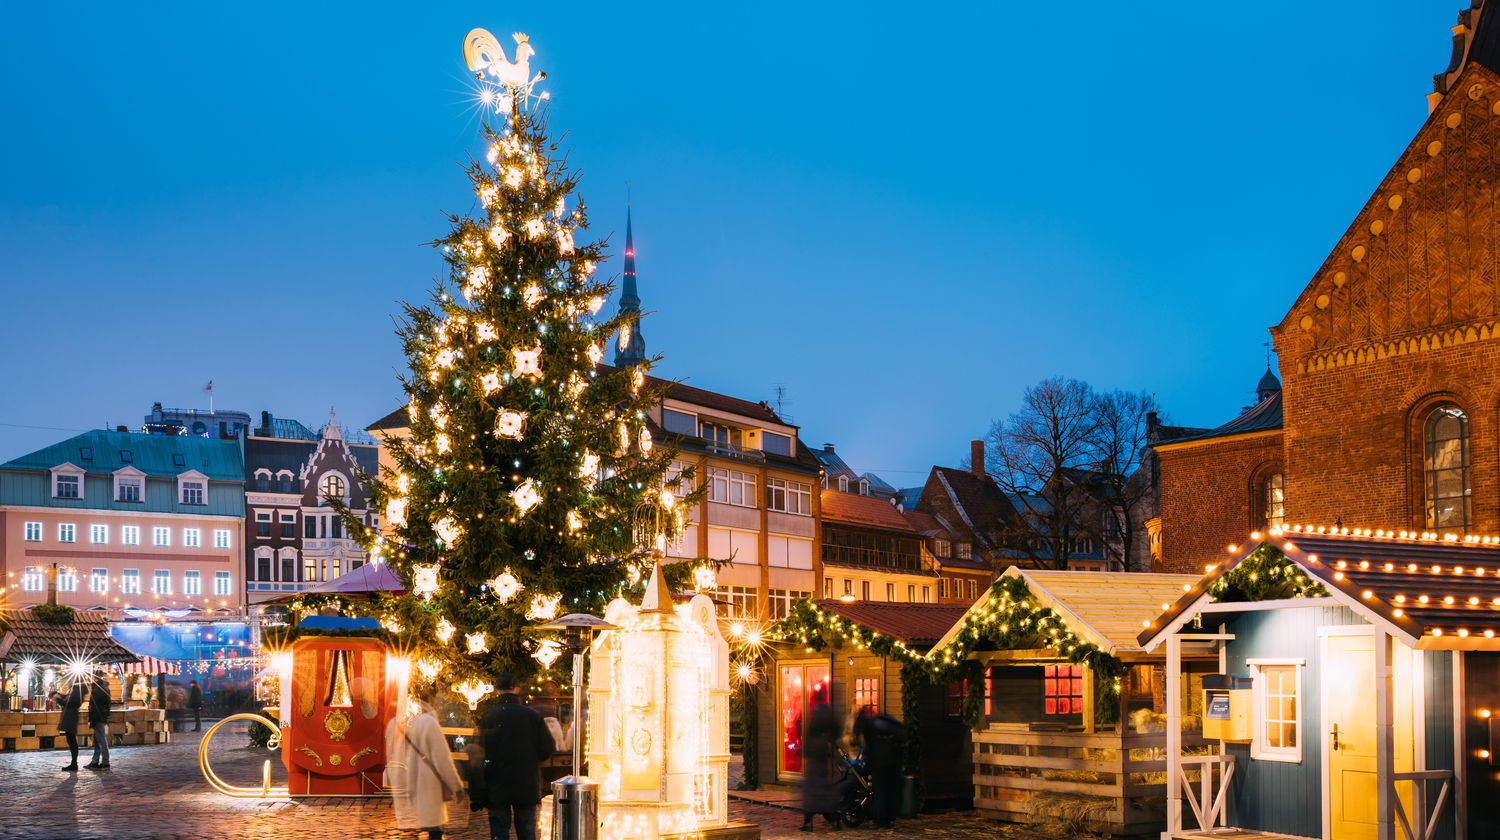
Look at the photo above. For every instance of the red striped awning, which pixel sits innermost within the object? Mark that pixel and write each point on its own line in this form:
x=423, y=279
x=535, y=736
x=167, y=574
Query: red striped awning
x=151, y=665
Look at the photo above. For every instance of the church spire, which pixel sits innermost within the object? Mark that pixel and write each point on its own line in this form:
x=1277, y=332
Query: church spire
x=631, y=348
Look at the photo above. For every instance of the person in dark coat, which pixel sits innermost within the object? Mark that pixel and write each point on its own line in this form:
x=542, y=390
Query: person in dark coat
x=820, y=794
x=515, y=741
x=883, y=737
x=99, y=702
x=70, y=701
x=195, y=702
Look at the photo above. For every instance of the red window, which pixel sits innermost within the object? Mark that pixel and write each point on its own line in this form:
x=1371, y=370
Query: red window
x=1062, y=689
x=956, y=697
x=867, y=694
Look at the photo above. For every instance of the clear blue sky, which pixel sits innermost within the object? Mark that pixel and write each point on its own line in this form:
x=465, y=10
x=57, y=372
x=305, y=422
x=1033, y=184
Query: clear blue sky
x=903, y=213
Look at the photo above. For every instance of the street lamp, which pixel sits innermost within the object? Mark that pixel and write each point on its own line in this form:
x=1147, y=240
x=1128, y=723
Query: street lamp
x=575, y=799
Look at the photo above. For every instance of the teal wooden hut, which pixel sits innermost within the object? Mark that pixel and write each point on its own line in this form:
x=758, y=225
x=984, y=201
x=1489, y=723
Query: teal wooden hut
x=1358, y=690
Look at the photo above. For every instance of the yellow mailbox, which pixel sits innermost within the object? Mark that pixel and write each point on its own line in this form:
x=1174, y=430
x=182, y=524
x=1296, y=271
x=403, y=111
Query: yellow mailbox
x=1226, y=708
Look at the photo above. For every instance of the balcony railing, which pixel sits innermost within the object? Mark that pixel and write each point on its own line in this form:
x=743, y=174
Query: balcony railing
x=734, y=450
x=873, y=558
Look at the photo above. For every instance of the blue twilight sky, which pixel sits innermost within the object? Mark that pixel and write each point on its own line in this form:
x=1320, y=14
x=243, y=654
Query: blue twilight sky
x=904, y=214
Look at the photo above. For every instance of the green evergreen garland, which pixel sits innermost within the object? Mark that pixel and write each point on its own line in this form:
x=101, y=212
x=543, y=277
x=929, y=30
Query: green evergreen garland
x=1266, y=575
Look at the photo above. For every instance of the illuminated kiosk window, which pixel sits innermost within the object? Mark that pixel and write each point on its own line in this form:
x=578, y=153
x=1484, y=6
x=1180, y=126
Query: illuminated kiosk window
x=799, y=687
x=658, y=718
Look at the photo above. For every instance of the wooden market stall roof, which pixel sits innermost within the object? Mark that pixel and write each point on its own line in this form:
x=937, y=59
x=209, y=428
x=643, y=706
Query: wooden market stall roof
x=86, y=637
x=911, y=623
x=1103, y=608
x=1432, y=592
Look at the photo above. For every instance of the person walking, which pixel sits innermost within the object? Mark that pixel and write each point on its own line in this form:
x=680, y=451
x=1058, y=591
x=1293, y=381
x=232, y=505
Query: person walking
x=515, y=740
x=195, y=702
x=70, y=701
x=819, y=793
x=883, y=737
x=99, y=703
x=420, y=769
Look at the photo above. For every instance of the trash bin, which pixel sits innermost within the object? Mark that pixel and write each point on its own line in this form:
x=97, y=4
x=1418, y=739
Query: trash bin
x=575, y=809
x=909, y=805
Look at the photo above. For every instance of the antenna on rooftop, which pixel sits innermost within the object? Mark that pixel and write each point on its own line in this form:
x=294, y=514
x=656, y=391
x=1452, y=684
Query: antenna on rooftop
x=782, y=402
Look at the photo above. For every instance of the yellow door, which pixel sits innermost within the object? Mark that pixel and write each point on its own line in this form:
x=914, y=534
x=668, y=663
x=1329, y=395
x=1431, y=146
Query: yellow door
x=1349, y=721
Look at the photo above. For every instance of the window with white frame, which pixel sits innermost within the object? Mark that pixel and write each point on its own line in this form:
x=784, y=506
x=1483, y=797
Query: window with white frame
x=161, y=536
x=1277, y=689
x=781, y=600
x=130, y=582
x=67, y=580
x=221, y=538
x=192, y=583
x=67, y=532
x=738, y=602
x=67, y=485
x=130, y=535
x=221, y=583
x=731, y=487
x=161, y=582
x=675, y=481
x=99, y=534
x=33, y=579
x=129, y=487
x=192, y=537
x=789, y=496
x=192, y=492
x=33, y=532
x=679, y=422
x=964, y=551
x=99, y=580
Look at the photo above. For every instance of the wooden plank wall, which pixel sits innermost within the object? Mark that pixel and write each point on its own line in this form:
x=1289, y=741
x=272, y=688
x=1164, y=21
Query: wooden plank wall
x=1437, y=677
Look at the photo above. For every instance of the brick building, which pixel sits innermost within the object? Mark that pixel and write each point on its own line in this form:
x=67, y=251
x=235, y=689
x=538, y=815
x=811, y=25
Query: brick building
x=1389, y=412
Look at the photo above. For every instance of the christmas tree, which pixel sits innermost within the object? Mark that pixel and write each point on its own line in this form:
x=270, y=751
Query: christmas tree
x=529, y=486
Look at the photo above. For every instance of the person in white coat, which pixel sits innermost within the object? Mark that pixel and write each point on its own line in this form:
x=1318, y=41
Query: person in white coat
x=419, y=769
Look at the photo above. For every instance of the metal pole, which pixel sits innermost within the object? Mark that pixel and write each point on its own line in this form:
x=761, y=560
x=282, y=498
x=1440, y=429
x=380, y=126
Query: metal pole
x=579, y=702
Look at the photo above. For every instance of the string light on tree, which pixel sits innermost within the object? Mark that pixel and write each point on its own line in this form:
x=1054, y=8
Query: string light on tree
x=476, y=643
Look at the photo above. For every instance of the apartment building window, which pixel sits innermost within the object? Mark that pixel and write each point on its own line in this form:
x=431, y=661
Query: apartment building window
x=221, y=538
x=262, y=524
x=192, y=537
x=130, y=582
x=911, y=592
x=67, y=580
x=781, y=601
x=99, y=580
x=738, y=602
x=776, y=444
x=161, y=536
x=192, y=583
x=99, y=534
x=288, y=525
x=970, y=589
x=161, y=582
x=867, y=694
x=864, y=590
x=33, y=579
x=128, y=489
x=940, y=548
x=828, y=587
x=965, y=550
x=338, y=527
x=731, y=487
x=333, y=486
x=679, y=422
x=789, y=496
x=288, y=568
x=66, y=532
x=67, y=486
x=890, y=591
x=676, y=480
x=309, y=569
x=33, y=532
x=310, y=527
x=284, y=481
x=130, y=535
x=720, y=436
x=221, y=583
x=192, y=492
x=926, y=594
x=849, y=587
x=943, y=588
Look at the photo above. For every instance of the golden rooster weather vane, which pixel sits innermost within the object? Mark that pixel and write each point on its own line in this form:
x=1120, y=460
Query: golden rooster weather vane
x=502, y=81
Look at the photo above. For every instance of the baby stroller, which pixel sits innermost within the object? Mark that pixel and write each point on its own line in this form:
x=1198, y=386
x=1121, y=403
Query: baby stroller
x=853, y=787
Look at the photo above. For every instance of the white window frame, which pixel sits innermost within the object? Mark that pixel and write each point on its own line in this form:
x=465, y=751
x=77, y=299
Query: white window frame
x=67, y=579
x=130, y=581
x=99, y=534
x=796, y=497
x=130, y=535
x=192, y=537
x=732, y=480
x=195, y=477
x=1259, y=749
x=221, y=538
x=192, y=582
x=99, y=580
x=33, y=579
x=67, y=532
x=130, y=476
x=222, y=584
x=33, y=532
x=71, y=471
x=161, y=536
x=161, y=582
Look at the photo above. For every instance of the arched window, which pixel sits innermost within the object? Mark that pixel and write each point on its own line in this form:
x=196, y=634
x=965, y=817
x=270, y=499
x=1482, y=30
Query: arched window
x=1445, y=467
x=333, y=486
x=1273, y=495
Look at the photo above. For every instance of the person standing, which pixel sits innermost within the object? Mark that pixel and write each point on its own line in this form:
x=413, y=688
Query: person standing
x=420, y=769
x=819, y=793
x=883, y=737
x=195, y=702
x=515, y=740
x=99, y=703
x=70, y=701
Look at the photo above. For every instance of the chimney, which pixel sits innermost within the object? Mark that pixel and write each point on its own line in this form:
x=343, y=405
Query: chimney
x=828, y=448
x=976, y=458
x=122, y=429
x=52, y=587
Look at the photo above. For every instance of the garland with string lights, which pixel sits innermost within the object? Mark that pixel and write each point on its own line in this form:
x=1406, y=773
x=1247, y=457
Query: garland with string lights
x=529, y=485
x=1266, y=575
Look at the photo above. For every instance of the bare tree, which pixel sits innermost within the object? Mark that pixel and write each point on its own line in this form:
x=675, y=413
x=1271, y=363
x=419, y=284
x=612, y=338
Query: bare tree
x=1065, y=460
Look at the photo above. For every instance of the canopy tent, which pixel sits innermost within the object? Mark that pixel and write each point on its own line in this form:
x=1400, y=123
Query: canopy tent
x=151, y=665
x=366, y=580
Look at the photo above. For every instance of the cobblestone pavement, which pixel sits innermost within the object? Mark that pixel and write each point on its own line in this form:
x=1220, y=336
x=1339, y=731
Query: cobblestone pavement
x=157, y=792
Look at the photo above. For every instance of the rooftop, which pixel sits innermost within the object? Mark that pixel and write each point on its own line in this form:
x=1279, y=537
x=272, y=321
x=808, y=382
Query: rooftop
x=920, y=624
x=108, y=451
x=85, y=637
x=869, y=511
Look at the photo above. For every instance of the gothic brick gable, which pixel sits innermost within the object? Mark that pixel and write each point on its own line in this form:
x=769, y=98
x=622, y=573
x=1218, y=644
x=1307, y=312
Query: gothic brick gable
x=1419, y=268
